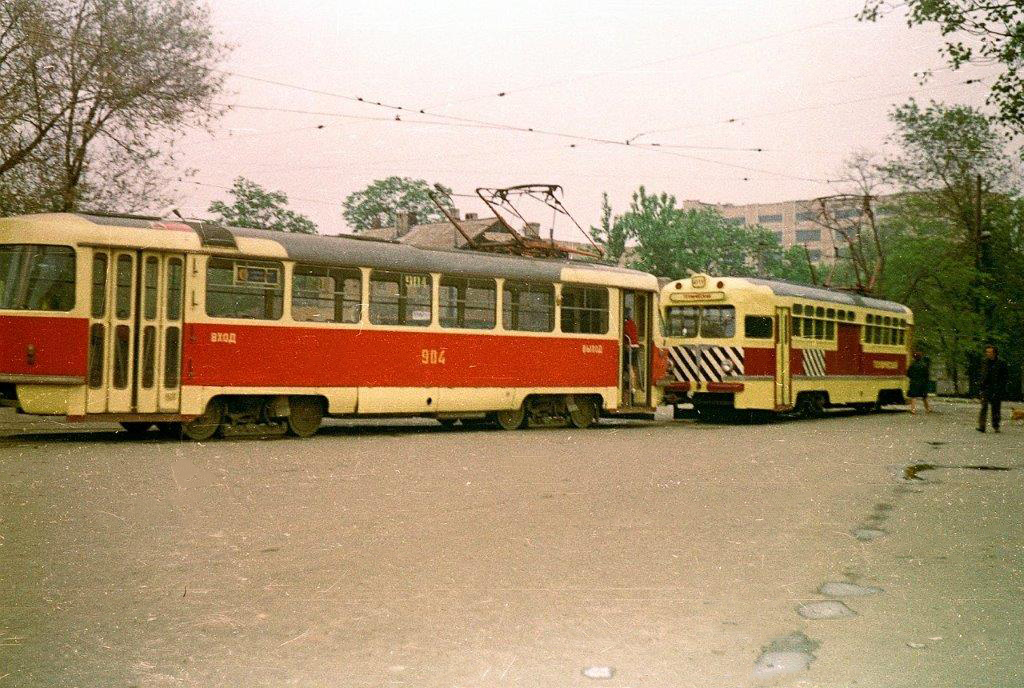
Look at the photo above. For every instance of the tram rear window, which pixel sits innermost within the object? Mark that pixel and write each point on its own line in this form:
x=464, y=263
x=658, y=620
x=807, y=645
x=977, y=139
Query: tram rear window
x=707, y=321
x=326, y=294
x=584, y=309
x=400, y=298
x=528, y=307
x=37, y=278
x=244, y=289
x=468, y=303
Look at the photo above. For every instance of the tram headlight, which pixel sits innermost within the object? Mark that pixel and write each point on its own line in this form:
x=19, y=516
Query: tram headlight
x=726, y=366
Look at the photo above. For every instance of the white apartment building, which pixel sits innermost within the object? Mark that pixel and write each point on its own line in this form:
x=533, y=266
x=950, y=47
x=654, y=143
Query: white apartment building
x=792, y=221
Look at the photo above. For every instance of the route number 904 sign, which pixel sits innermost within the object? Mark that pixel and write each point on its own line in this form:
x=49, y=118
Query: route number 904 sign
x=432, y=356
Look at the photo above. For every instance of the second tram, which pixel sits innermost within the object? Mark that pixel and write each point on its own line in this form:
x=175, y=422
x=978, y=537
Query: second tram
x=755, y=344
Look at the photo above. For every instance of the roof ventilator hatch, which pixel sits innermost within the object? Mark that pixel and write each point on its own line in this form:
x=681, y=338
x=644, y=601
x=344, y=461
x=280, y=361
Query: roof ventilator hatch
x=215, y=235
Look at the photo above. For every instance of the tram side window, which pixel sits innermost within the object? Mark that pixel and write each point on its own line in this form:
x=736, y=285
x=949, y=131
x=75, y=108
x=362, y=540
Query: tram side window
x=757, y=327
x=528, y=307
x=37, y=278
x=400, y=298
x=326, y=294
x=468, y=303
x=584, y=309
x=244, y=289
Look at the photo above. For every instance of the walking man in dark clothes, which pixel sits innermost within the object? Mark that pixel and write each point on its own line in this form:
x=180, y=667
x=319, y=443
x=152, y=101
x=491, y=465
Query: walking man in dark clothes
x=992, y=387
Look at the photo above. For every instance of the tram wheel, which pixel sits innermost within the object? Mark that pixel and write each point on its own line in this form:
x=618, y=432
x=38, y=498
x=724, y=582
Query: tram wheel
x=205, y=426
x=582, y=412
x=136, y=429
x=305, y=417
x=812, y=405
x=510, y=419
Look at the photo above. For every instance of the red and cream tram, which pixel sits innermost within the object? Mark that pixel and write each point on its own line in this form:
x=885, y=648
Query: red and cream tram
x=745, y=343
x=199, y=329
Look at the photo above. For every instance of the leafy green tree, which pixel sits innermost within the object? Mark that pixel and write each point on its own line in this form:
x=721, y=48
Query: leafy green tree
x=261, y=209
x=611, y=235
x=673, y=242
x=378, y=204
x=976, y=32
x=93, y=93
x=954, y=242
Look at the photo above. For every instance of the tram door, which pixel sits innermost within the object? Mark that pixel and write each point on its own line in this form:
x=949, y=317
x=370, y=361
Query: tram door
x=635, y=378
x=783, y=374
x=135, y=332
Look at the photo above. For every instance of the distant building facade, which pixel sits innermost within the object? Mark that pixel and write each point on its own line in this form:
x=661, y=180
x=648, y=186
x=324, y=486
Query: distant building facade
x=793, y=222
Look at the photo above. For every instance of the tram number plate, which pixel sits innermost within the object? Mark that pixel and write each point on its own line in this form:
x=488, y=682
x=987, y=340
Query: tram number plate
x=432, y=356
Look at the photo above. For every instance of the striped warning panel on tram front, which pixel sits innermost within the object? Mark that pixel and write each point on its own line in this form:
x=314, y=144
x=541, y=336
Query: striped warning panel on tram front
x=706, y=363
x=814, y=362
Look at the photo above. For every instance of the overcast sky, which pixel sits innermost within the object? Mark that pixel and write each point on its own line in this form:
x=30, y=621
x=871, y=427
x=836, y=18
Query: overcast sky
x=802, y=80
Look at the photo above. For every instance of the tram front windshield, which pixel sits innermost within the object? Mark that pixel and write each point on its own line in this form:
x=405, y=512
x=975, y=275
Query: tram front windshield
x=688, y=322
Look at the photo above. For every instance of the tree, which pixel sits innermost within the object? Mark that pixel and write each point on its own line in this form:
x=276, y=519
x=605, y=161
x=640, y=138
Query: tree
x=672, y=242
x=94, y=93
x=256, y=207
x=378, y=204
x=850, y=217
x=954, y=242
x=976, y=32
x=611, y=236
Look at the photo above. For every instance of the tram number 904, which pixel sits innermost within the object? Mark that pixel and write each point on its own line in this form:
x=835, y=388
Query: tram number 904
x=432, y=356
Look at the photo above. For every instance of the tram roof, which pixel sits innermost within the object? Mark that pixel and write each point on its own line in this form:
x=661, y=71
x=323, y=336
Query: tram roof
x=346, y=250
x=339, y=250
x=802, y=291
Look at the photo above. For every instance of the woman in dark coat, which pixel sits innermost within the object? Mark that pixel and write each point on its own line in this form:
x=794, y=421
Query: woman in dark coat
x=919, y=375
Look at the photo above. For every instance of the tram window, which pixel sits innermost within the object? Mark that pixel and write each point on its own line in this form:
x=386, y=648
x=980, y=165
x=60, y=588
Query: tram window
x=820, y=312
x=37, y=278
x=400, y=298
x=172, y=340
x=798, y=309
x=830, y=313
x=123, y=293
x=99, y=285
x=528, y=307
x=808, y=328
x=830, y=329
x=148, y=356
x=97, y=337
x=122, y=343
x=243, y=289
x=149, y=287
x=819, y=329
x=584, y=309
x=718, y=321
x=681, y=321
x=326, y=294
x=174, y=288
x=796, y=327
x=757, y=326
x=468, y=303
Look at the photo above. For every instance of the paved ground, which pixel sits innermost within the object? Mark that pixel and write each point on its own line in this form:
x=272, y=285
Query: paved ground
x=664, y=554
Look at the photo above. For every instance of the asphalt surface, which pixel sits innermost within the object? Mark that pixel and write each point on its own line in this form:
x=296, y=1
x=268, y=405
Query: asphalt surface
x=633, y=554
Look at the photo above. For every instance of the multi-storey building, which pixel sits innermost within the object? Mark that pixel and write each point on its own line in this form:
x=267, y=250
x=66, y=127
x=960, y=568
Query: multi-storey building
x=795, y=223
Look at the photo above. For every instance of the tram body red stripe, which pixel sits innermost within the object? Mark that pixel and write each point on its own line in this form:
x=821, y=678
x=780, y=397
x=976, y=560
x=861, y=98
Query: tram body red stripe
x=261, y=356
x=60, y=344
